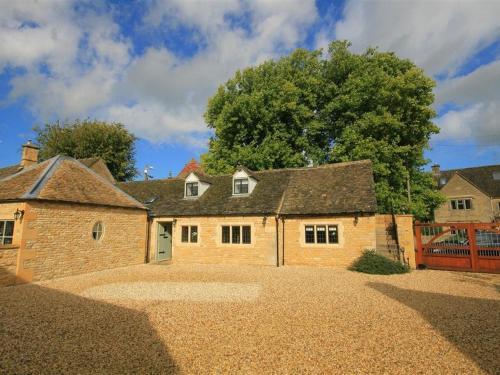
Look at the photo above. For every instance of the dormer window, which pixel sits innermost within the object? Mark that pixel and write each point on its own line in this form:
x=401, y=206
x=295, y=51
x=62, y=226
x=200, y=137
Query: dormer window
x=191, y=189
x=241, y=186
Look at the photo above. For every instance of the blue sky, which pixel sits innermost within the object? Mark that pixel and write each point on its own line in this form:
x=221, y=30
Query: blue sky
x=153, y=64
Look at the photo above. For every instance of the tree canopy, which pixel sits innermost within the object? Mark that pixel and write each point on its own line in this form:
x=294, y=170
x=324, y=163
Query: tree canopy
x=90, y=138
x=311, y=108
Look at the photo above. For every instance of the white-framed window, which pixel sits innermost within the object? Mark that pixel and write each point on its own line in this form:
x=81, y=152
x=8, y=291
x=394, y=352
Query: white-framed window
x=6, y=232
x=189, y=233
x=97, y=231
x=240, y=186
x=321, y=234
x=461, y=204
x=236, y=234
x=191, y=189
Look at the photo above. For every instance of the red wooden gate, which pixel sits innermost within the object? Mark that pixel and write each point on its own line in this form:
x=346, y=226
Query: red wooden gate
x=458, y=246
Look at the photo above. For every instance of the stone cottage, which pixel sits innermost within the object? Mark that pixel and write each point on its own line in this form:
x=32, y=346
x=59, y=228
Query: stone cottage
x=61, y=217
x=473, y=194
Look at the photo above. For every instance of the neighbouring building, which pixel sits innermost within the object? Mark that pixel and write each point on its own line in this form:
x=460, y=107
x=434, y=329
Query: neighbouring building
x=63, y=216
x=60, y=217
x=473, y=194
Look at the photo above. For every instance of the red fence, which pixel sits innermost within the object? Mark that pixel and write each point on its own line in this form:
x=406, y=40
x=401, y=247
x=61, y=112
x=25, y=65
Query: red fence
x=458, y=246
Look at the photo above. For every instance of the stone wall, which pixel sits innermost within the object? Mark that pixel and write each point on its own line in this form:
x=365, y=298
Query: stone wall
x=354, y=237
x=482, y=207
x=57, y=240
x=209, y=249
x=9, y=253
x=386, y=238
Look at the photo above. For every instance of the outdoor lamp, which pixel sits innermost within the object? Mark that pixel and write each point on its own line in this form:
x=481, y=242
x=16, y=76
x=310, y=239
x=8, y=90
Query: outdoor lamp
x=264, y=220
x=18, y=214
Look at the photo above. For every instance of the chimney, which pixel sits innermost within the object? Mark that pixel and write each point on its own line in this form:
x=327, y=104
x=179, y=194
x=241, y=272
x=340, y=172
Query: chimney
x=436, y=171
x=30, y=155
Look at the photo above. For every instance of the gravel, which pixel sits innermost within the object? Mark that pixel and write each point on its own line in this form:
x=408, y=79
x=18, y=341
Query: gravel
x=243, y=319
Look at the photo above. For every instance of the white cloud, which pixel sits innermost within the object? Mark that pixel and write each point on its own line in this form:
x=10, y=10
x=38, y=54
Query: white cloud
x=477, y=123
x=79, y=65
x=438, y=35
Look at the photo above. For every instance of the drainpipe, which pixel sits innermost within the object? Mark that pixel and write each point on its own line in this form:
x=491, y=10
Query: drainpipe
x=148, y=233
x=283, y=239
x=277, y=218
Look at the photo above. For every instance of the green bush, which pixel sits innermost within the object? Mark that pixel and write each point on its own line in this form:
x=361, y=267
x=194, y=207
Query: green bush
x=373, y=263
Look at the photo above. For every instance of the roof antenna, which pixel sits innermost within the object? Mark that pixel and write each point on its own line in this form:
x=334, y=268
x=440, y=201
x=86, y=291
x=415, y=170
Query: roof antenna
x=169, y=174
x=147, y=174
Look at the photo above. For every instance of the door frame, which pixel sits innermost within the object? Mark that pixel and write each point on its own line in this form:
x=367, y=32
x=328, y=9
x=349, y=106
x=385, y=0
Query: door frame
x=162, y=223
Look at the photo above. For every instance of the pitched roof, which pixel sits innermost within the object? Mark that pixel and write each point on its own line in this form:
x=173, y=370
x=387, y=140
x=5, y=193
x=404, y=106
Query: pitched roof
x=481, y=177
x=66, y=180
x=329, y=189
x=191, y=166
x=99, y=166
x=10, y=170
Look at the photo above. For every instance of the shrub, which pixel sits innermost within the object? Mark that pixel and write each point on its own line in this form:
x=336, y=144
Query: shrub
x=373, y=263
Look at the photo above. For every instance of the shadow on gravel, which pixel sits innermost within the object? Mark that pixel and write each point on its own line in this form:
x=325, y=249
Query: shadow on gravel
x=46, y=331
x=471, y=324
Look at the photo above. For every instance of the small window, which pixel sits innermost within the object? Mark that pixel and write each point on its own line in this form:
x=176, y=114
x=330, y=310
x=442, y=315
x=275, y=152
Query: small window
x=97, y=231
x=241, y=186
x=194, y=234
x=333, y=234
x=235, y=234
x=320, y=234
x=309, y=234
x=461, y=204
x=6, y=232
x=225, y=234
x=185, y=233
x=246, y=234
x=191, y=189
x=189, y=233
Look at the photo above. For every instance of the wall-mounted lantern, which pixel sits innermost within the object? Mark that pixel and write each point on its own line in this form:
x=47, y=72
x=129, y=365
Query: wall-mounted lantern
x=356, y=218
x=18, y=215
x=174, y=221
x=264, y=220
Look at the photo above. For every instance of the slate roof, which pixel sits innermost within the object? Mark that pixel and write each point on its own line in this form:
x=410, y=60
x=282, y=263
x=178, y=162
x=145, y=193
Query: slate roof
x=481, y=177
x=63, y=179
x=342, y=188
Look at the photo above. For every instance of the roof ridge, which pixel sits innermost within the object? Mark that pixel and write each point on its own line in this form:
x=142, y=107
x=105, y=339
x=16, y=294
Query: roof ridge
x=478, y=167
x=43, y=178
x=113, y=186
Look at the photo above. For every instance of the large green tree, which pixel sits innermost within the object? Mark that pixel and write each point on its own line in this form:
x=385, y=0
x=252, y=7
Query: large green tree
x=314, y=108
x=90, y=138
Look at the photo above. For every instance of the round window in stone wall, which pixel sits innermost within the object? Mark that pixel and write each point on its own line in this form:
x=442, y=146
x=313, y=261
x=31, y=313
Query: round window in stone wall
x=97, y=231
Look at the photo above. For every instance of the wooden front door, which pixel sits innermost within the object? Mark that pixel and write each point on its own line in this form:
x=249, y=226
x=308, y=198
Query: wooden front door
x=164, y=248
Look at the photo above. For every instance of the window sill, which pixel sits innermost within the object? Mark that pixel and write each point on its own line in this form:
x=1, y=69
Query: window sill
x=9, y=247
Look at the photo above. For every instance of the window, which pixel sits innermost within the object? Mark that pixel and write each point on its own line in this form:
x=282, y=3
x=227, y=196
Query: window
x=322, y=234
x=194, y=234
x=6, y=232
x=461, y=204
x=191, y=189
x=333, y=234
x=237, y=234
x=309, y=233
x=189, y=233
x=225, y=234
x=246, y=234
x=241, y=186
x=185, y=233
x=97, y=231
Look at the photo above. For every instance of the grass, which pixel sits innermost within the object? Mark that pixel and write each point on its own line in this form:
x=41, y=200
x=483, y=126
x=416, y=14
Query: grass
x=376, y=264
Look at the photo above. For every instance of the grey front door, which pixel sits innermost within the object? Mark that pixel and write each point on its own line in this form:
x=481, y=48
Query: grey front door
x=164, y=241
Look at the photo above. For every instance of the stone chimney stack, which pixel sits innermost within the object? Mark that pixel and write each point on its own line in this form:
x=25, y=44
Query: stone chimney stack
x=30, y=155
x=436, y=171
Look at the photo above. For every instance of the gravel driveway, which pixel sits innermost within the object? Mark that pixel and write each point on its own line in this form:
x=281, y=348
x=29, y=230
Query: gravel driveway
x=234, y=319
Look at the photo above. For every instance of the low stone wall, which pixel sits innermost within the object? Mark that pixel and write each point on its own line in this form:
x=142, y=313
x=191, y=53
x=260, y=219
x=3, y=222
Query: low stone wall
x=387, y=244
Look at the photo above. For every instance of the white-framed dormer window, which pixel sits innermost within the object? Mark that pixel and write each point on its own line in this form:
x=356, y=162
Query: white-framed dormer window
x=244, y=181
x=191, y=189
x=240, y=186
x=195, y=186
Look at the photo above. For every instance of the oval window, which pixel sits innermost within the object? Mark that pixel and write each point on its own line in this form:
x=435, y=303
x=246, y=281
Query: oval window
x=97, y=231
